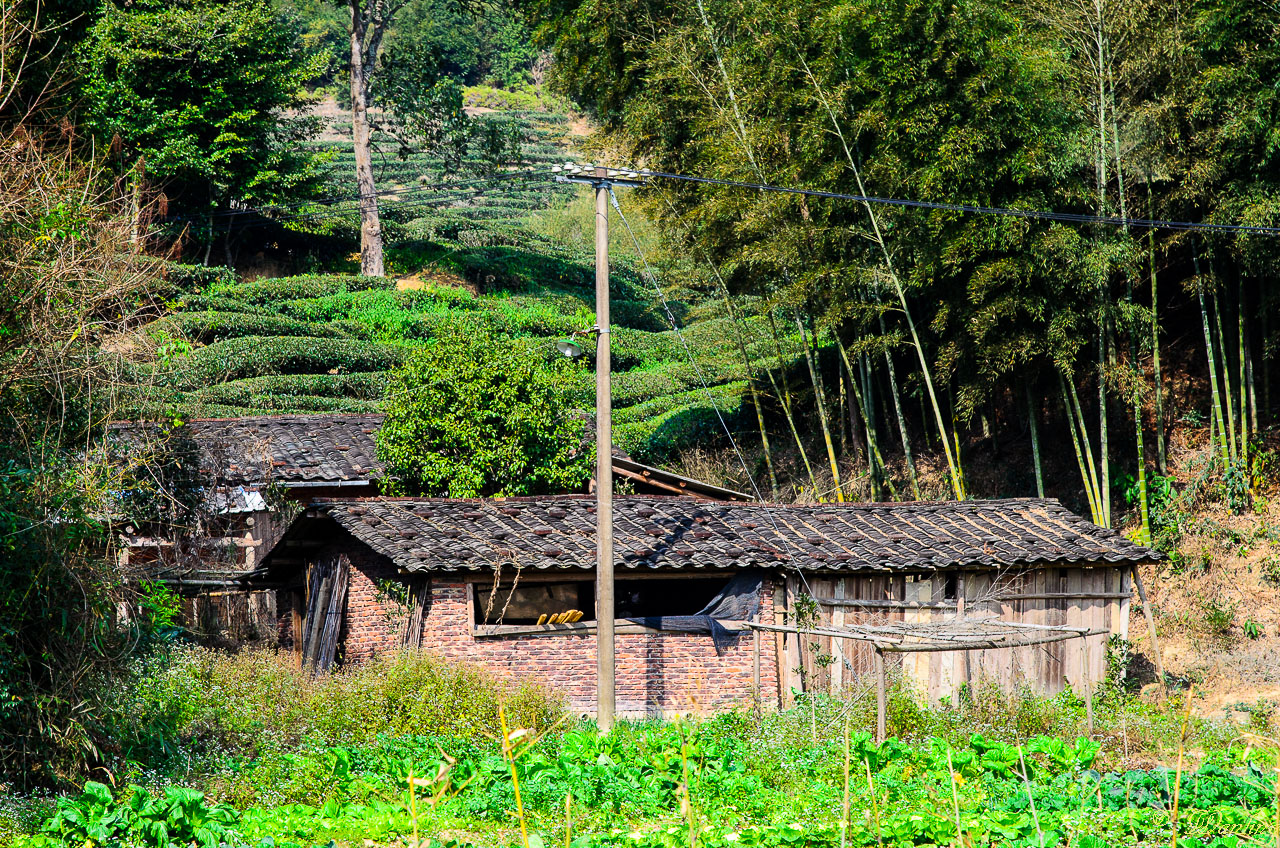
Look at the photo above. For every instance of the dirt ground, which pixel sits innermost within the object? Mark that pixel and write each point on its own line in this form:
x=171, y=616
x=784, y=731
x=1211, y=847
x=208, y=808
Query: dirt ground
x=1217, y=603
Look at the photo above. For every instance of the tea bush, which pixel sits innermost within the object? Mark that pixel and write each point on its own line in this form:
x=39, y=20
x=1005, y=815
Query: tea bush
x=368, y=385
x=258, y=356
x=208, y=327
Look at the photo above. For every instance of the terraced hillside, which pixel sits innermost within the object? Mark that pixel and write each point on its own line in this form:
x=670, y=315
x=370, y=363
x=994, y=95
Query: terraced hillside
x=514, y=260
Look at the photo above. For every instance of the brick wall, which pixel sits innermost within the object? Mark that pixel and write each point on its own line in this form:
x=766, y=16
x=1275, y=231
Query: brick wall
x=375, y=613
x=656, y=672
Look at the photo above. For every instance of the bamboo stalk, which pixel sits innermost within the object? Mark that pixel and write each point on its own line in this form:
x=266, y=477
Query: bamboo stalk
x=1243, y=369
x=1035, y=441
x=1214, y=392
x=856, y=415
x=1080, y=441
x=1104, y=466
x=897, y=410
x=875, y=461
x=868, y=404
x=1228, y=403
x=957, y=481
x=821, y=403
x=785, y=396
x=1161, y=456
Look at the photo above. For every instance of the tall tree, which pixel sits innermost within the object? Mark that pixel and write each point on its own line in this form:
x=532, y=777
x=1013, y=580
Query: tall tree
x=370, y=20
x=196, y=92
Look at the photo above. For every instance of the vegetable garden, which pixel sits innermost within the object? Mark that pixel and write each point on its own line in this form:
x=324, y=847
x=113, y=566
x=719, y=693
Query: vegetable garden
x=246, y=751
x=677, y=784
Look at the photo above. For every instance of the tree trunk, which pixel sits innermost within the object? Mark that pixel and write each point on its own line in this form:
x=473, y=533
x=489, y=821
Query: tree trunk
x=370, y=226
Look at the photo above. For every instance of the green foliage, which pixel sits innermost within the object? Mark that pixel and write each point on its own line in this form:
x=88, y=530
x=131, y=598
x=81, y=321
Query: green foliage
x=475, y=413
x=180, y=817
x=208, y=327
x=194, y=92
x=197, y=702
x=271, y=291
x=743, y=781
x=276, y=389
x=257, y=356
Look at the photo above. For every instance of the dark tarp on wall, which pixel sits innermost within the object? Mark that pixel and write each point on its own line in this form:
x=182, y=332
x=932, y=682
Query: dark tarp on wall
x=739, y=600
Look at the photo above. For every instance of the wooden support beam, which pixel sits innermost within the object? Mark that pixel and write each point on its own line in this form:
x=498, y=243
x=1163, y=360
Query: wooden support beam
x=1057, y=596
x=882, y=697
x=1151, y=629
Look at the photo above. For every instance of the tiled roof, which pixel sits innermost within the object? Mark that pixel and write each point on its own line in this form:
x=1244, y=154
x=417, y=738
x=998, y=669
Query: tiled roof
x=335, y=448
x=286, y=449
x=677, y=532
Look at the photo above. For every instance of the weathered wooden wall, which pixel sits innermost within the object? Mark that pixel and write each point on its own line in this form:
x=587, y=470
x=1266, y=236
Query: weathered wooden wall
x=1075, y=596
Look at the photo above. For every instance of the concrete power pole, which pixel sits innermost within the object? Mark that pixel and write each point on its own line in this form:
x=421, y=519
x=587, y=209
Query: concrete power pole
x=605, y=698
x=602, y=180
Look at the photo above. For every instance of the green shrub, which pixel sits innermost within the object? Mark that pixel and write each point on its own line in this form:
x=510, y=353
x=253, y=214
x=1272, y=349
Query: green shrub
x=257, y=356
x=360, y=386
x=193, y=277
x=210, y=327
x=264, y=292
x=475, y=414
x=664, y=435
x=217, y=303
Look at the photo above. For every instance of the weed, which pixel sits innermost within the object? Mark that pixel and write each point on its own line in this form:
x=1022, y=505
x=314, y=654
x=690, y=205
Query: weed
x=1219, y=616
x=1269, y=566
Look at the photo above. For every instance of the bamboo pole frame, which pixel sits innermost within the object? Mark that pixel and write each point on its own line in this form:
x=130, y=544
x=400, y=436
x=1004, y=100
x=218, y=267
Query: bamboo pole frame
x=885, y=644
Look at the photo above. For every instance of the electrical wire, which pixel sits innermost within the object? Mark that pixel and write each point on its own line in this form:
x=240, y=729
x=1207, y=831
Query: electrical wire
x=706, y=389
x=1065, y=217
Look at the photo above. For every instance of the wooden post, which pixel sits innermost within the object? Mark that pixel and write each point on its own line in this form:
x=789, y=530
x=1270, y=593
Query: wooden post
x=779, y=641
x=882, y=696
x=604, y=469
x=1087, y=680
x=964, y=656
x=755, y=671
x=1151, y=629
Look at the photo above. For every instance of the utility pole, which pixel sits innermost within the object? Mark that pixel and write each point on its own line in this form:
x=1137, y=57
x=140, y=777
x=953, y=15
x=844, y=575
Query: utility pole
x=602, y=180
x=605, y=655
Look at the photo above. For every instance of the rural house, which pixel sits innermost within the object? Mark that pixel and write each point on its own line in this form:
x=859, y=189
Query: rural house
x=719, y=604
x=253, y=474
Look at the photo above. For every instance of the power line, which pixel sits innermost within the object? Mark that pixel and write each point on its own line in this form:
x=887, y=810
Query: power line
x=1064, y=217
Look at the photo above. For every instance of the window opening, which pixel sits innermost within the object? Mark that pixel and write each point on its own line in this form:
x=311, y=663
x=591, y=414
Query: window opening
x=533, y=603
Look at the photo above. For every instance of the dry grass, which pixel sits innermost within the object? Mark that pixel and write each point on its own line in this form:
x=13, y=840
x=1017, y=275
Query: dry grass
x=241, y=703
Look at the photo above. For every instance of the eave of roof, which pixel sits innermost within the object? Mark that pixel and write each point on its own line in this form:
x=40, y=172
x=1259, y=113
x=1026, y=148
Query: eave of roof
x=558, y=532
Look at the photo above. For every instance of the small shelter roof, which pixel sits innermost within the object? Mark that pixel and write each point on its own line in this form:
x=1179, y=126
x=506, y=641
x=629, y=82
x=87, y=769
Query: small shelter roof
x=289, y=450
x=558, y=532
x=296, y=451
